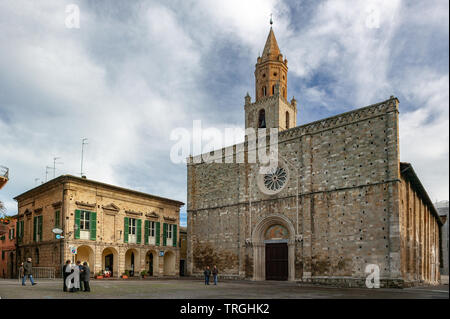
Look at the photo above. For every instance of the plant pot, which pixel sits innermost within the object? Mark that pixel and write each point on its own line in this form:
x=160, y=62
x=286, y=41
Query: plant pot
x=98, y=277
x=124, y=277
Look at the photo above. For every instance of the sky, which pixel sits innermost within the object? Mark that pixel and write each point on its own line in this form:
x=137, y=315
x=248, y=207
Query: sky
x=136, y=70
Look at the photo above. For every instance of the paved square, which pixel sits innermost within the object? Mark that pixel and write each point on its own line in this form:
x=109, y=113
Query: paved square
x=192, y=288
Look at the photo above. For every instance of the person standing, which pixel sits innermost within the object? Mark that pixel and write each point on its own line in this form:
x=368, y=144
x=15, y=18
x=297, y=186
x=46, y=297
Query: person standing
x=86, y=276
x=207, y=273
x=27, y=271
x=215, y=272
x=66, y=272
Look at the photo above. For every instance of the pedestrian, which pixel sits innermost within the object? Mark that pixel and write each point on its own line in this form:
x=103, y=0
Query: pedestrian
x=86, y=276
x=27, y=271
x=21, y=270
x=207, y=273
x=215, y=272
x=66, y=271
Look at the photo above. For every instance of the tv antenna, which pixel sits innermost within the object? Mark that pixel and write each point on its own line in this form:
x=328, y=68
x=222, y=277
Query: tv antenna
x=54, y=165
x=83, y=143
x=47, y=168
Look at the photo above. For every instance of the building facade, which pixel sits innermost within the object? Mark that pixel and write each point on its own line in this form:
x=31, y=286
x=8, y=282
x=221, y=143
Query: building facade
x=339, y=203
x=183, y=250
x=8, y=267
x=112, y=228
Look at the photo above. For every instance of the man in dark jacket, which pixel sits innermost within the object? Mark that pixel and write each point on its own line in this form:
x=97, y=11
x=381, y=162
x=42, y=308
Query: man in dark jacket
x=85, y=277
x=27, y=272
x=66, y=272
x=215, y=272
x=207, y=273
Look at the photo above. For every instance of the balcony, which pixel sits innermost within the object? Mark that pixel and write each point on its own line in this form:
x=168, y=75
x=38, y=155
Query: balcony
x=4, y=171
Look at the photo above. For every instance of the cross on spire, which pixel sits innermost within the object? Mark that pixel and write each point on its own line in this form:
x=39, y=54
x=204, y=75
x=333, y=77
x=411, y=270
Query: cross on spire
x=271, y=21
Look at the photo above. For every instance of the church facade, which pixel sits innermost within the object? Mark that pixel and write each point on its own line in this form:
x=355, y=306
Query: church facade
x=339, y=205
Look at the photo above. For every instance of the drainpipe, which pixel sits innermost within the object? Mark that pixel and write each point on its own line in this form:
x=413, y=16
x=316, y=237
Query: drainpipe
x=63, y=224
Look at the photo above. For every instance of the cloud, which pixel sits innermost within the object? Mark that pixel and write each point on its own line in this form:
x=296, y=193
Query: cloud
x=136, y=70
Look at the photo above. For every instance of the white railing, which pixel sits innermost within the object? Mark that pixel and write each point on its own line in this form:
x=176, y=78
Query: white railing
x=43, y=272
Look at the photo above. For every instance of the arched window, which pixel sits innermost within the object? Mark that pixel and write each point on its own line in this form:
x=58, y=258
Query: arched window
x=262, y=119
x=273, y=89
x=287, y=120
x=264, y=93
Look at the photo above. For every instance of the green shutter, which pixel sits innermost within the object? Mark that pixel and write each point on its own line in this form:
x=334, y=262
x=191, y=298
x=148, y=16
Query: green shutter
x=174, y=236
x=40, y=218
x=157, y=233
x=34, y=228
x=139, y=231
x=164, y=234
x=125, y=231
x=57, y=218
x=77, y=224
x=146, y=232
x=93, y=225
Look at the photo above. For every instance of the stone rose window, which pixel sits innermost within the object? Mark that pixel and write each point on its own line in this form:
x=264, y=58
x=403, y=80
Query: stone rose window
x=273, y=181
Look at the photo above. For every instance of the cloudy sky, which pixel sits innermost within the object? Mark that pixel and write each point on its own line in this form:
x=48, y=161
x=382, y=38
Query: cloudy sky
x=136, y=70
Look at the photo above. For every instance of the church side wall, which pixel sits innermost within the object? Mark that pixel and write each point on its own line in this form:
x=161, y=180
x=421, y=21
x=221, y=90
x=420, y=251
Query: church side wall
x=419, y=238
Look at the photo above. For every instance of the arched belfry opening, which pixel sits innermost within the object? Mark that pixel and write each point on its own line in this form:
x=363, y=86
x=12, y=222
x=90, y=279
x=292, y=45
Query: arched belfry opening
x=262, y=119
x=287, y=119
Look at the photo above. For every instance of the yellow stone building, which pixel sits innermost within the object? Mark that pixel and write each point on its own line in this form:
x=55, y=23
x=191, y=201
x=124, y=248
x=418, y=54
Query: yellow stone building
x=110, y=227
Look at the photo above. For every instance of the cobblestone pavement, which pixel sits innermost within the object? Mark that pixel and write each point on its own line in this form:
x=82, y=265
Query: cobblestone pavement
x=192, y=288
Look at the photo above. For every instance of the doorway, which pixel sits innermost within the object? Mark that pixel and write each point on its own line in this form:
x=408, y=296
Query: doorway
x=277, y=261
x=109, y=262
x=150, y=264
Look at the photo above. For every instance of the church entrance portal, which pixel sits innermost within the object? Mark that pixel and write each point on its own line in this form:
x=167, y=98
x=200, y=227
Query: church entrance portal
x=277, y=261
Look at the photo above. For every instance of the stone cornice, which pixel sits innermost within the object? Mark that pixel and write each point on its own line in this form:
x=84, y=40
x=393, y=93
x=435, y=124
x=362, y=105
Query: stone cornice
x=38, y=210
x=152, y=215
x=170, y=219
x=57, y=204
x=130, y=212
x=111, y=208
x=83, y=204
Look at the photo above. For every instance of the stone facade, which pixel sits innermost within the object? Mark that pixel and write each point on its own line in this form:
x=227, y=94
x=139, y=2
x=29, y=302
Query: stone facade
x=110, y=226
x=339, y=209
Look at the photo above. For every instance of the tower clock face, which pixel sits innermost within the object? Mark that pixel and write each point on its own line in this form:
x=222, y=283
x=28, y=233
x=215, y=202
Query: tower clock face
x=273, y=181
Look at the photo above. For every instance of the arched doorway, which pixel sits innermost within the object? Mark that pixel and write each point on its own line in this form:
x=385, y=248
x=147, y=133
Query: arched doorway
x=132, y=261
x=169, y=263
x=85, y=254
x=274, y=249
x=110, y=261
x=151, y=263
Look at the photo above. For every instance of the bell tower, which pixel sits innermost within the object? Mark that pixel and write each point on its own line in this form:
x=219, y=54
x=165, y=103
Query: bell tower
x=271, y=108
x=270, y=70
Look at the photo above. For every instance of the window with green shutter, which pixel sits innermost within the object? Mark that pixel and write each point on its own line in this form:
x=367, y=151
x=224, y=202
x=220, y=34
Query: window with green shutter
x=77, y=224
x=146, y=231
x=40, y=219
x=34, y=228
x=157, y=242
x=139, y=231
x=93, y=226
x=174, y=236
x=164, y=234
x=125, y=230
x=57, y=218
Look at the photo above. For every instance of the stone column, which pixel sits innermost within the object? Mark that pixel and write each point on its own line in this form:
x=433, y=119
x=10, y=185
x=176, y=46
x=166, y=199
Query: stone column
x=291, y=260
